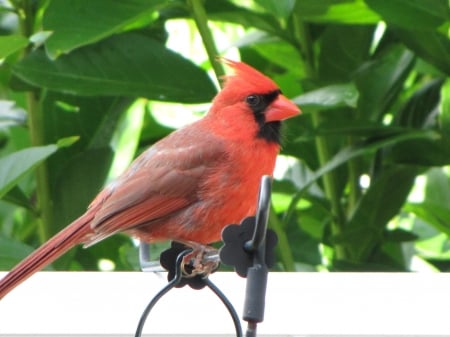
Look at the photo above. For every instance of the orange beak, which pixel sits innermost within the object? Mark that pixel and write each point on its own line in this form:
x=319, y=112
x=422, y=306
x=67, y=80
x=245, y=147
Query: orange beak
x=281, y=109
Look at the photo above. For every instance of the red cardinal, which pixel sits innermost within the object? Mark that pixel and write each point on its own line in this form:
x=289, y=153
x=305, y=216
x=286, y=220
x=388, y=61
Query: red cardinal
x=189, y=185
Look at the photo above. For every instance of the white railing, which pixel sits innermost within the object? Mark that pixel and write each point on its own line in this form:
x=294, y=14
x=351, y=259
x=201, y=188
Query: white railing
x=297, y=304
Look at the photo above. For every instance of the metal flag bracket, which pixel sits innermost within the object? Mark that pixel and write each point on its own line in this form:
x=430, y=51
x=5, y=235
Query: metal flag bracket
x=248, y=247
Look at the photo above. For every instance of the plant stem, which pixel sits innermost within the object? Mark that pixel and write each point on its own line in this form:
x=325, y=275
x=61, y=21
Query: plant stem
x=36, y=127
x=302, y=39
x=304, y=42
x=201, y=20
x=287, y=258
x=35, y=124
x=353, y=179
x=330, y=187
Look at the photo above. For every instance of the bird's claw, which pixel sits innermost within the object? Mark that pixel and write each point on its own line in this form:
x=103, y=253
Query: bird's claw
x=203, y=260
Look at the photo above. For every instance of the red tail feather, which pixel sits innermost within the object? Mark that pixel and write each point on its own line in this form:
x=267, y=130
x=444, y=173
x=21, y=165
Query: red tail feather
x=72, y=235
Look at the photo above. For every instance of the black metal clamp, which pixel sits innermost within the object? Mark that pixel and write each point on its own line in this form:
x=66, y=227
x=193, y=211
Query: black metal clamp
x=248, y=247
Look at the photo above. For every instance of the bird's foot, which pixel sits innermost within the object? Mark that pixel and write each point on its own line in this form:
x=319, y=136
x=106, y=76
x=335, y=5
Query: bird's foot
x=203, y=260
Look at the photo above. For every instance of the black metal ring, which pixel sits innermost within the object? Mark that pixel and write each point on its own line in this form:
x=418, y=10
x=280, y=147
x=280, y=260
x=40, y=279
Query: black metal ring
x=176, y=280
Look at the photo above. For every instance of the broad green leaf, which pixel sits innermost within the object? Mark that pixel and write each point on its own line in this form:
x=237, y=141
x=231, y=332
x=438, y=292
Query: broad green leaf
x=9, y=44
x=433, y=47
x=381, y=202
x=124, y=65
x=94, y=121
x=228, y=12
x=81, y=178
x=281, y=53
x=77, y=173
x=435, y=250
x=332, y=96
x=39, y=38
x=17, y=196
x=279, y=8
x=419, y=112
x=15, y=165
x=420, y=109
x=436, y=215
x=152, y=130
x=331, y=11
x=424, y=152
x=125, y=141
x=413, y=14
x=437, y=190
x=350, y=152
x=366, y=266
x=111, y=249
x=365, y=129
x=11, y=252
x=399, y=235
x=343, y=50
x=305, y=247
x=76, y=23
x=367, y=147
x=380, y=81
x=67, y=141
x=89, y=121
x=394, y=254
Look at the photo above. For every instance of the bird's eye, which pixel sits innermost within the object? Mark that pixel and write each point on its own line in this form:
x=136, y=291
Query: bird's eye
x=253, y=100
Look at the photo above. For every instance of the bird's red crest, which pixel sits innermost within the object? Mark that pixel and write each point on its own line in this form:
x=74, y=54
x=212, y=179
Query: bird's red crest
x=248, y=79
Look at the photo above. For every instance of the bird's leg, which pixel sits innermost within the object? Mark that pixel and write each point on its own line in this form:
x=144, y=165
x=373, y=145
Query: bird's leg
x=203, y=260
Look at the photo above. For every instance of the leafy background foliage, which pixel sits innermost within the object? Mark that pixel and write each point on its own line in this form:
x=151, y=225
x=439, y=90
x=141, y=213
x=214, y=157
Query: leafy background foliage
x=363, y=181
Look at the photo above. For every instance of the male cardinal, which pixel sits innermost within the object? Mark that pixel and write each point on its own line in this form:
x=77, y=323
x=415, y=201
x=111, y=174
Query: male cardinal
x=190, y=184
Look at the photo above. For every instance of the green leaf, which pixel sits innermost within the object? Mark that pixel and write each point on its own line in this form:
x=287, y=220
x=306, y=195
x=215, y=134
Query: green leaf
x=126, y=138
x=282, y=54
x=11, y=252
x=343, y=50
x=81, y=178
x=152, y=131
x=424, y=152
x=90, y=121
x=76, y=23
x=366, y=129
x=332, y=96
x=228, y=12
x=420, y=109
x=350, y=152
x=377, y=206
x=110, y=249
x=67, y=141
x=279, y=8
x=17, y=196
x=437, y=190
x=9, y=44
x=433, y=47
x=400, y=235
x=364, y=148
x=413, y=14
x=436, y=215
x=124, y=65
x=419, y=112
x=380, y=81
x=14, y=166
x=39, y=38
x=94, y=121
x=331, y=11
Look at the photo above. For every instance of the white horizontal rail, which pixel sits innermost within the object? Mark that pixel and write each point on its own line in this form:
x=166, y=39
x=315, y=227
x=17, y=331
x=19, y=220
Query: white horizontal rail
x=297, y=304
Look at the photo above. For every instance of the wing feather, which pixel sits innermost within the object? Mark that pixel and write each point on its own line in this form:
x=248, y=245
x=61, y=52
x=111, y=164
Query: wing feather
x=162, y=181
